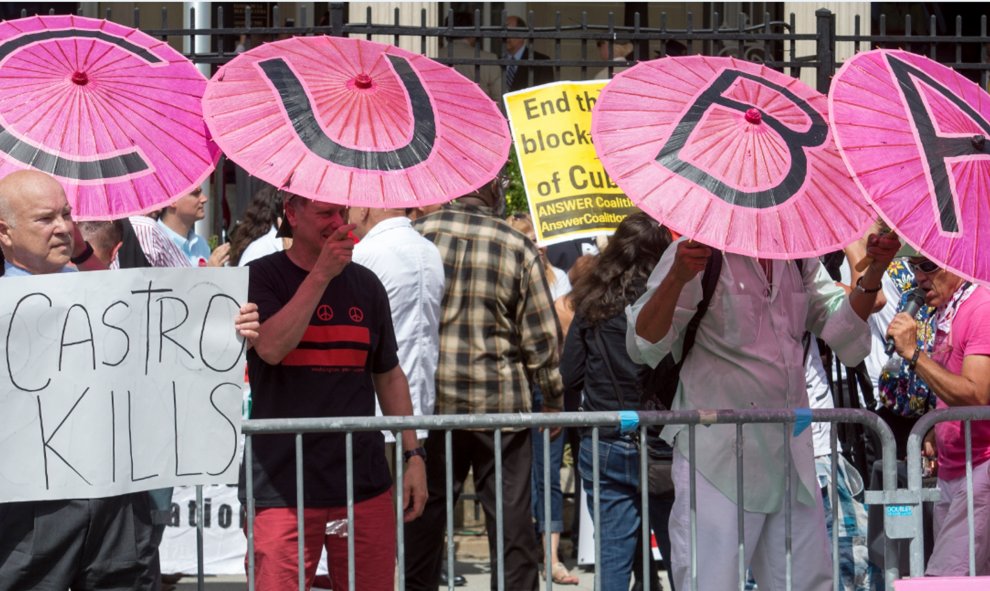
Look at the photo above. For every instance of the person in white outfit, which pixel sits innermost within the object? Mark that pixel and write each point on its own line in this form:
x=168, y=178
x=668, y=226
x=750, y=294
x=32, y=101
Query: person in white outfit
x=410, y=268
x=748, y=354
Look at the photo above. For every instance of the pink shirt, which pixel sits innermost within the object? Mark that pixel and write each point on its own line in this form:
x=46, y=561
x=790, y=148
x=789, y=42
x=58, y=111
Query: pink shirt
x=970, y=335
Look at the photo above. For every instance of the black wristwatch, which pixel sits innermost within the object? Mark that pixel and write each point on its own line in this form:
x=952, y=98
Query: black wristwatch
x=914, y=358
x=861, y=289
x=419, y=451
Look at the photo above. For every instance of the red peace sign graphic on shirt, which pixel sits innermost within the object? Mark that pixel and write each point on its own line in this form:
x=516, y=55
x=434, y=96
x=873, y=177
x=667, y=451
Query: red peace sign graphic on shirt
x=324, y=313
x=356, y=314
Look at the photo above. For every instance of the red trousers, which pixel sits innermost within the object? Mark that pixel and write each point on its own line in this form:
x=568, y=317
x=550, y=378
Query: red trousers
x=276, y=553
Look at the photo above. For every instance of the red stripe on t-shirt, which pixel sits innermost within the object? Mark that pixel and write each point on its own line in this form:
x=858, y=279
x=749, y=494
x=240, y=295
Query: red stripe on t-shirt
x=326, y=358
x=336, y=333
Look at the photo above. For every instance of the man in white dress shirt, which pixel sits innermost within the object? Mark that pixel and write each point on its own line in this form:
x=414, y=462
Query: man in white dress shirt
x=178, y=222
x=748, y=354
x=410, y=268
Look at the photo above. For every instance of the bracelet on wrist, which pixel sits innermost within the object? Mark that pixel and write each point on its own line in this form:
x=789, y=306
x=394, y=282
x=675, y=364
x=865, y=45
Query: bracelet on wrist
x=859, y=287
x=418, y=451
x=914, y=358
x=83, y=256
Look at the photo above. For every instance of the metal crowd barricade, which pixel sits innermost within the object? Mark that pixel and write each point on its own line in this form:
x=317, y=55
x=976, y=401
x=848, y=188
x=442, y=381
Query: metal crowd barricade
x=916, y=493
x=596, y=422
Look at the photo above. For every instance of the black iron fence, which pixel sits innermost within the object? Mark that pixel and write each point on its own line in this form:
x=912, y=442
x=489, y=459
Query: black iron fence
x=572, y=41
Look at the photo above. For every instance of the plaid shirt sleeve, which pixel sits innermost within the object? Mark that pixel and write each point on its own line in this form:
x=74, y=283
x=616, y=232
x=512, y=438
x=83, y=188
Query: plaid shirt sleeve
x=498, y=330
x=540, y=335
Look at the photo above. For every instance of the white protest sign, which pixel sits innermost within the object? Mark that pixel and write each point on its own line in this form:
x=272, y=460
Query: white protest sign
x=224, y=544
x=224, y=526
x=119, y=381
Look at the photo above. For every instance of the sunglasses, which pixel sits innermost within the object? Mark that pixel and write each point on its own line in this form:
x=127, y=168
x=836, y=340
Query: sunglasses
x=924, y=266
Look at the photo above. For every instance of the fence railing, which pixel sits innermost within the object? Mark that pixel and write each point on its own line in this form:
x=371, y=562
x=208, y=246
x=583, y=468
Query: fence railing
x=773, y=42
x=916, y=493
x=900, y=505
x=597, y=422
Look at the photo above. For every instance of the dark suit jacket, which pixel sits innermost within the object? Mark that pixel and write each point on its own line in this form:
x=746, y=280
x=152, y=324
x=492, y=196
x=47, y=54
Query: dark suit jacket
x=541, y=74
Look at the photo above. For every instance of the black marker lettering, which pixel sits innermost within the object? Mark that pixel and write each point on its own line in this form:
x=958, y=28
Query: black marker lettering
x=127, y=338
x=233, y=428
x=163, y=334
x=10, y=331
x=147, y=322
x=89, y=328
x=202, y=333
x=130, y=440
x=795, y=141
x=175, y=430
x=46, y=442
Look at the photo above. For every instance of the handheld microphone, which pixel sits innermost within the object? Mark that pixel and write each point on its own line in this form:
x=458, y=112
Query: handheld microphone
x=915, y=301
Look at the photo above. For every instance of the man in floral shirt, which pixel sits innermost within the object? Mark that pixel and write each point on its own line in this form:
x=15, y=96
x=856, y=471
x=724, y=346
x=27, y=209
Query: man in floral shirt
x=958, y=371
x=902, y=395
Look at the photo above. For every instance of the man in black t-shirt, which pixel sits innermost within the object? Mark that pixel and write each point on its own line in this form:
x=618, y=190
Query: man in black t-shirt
x=325, y=347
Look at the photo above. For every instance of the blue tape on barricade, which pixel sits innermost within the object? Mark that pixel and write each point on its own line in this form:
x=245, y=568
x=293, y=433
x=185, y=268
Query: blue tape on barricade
x=802, y=418
x=628, y=420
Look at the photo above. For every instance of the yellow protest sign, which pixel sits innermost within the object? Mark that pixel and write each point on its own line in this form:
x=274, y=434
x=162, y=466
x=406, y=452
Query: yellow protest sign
x=570, y=194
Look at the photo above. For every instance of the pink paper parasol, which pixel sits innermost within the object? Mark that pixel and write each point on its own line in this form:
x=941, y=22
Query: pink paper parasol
x=730, y=153
x=110, y=112
x=915, y=133
x=355, y=122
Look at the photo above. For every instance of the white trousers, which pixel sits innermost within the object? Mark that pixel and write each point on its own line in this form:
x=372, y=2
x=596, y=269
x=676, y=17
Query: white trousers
x=764, y=540
x=951, y=528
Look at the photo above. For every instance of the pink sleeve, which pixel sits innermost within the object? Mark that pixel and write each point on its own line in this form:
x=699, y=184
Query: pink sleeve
x=976, y=336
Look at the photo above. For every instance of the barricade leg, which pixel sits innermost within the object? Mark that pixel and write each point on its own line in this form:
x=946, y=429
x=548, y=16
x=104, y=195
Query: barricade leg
x=505, y=492
x=445, y=474
x=764, y=540
x=808, y=542
x=715, y=528
x=374, y=546
x=619, y=510
x=952, y=520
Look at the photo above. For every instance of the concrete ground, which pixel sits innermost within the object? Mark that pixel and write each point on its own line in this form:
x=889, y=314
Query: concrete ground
x=472, y=563
x=476, y=573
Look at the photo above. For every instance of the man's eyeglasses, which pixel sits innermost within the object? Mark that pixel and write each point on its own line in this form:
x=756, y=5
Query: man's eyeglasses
x=924, y=266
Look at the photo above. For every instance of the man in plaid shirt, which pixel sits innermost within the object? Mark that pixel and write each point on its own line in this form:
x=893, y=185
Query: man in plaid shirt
x=498, y=338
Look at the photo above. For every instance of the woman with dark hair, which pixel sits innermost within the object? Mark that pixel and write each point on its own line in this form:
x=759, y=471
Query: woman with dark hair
x=595, y=363
x=257, y=233
x=560, y=286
